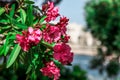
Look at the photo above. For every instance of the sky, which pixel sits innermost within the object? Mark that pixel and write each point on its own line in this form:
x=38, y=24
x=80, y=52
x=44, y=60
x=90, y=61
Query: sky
x=73, y=9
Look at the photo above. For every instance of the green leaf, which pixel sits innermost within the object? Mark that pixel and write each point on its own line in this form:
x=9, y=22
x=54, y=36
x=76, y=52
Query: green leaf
x=12, y=11
x=1, y=50
x=3, y=21
x=35, y=58
x=30, y=15
x=43, y=27
x=18, y=24
x=23, y=15
x=57, y=62
x=14, y=54
x=6, y=50
x=42, y=19
x=8, y=42
x=2, y=10
x=29, y=69
x=29, y=2
x=47, y=44
x=35, y=22
x=6, y=27
x=6, y=47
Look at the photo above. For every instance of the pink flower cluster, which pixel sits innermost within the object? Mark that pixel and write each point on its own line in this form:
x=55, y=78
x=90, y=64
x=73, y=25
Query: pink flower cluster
x=29, y=38
x=51, y=11
x=53, y=33
x=62, y=24
x=62, y=53
x=50, y=34
x=51, y=70
x=56, y=33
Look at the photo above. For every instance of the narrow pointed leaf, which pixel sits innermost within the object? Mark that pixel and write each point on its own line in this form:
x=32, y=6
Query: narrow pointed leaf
x=42, y=19
x=12, y=11
x=30, y=16
x=23, y=15
x=13, y=56
x=16, y=23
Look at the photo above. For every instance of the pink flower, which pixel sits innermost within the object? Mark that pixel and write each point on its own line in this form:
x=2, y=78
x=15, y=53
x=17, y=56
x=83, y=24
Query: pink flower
x=66, y=39
x=51, y=11
x=62, y=24
x=51, y=34
x=29, y=38
x=34, y=35
x=23, y=42
x=62, y=53
x=51, y=70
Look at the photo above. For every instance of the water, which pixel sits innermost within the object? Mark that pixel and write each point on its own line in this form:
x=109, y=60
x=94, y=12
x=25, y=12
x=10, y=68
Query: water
x=83, y=61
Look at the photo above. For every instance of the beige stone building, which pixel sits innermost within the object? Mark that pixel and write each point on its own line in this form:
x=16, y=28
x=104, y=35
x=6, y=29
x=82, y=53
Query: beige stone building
x=82, y=42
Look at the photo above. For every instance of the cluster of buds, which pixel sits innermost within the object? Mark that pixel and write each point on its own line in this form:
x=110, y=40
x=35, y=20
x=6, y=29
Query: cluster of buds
x=50, y=34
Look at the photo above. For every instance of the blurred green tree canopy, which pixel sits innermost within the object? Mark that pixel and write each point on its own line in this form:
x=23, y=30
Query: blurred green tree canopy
x=103, y=20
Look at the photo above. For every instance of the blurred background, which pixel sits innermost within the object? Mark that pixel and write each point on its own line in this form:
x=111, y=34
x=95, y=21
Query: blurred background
x=94, y=28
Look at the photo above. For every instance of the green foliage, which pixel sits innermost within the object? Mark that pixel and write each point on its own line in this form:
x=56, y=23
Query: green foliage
x=2, y=10
x=113, y=68
x=13, y=20
x=18, y=64
x=103, y=20
x=29, y=20
x=75, y=74
x=13, y=55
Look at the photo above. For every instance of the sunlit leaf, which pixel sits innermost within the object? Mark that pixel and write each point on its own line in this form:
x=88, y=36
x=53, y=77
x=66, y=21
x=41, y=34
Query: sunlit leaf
x=14, y=54
x=23, y=15
x=2, y=10
x=3, y=21
x=42, y=19
x=18, y=24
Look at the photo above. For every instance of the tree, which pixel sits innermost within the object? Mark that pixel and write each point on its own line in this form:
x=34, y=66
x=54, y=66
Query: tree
x=103, y=20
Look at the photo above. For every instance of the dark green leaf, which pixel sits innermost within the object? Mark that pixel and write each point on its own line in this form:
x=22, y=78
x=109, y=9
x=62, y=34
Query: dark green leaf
x=29, y=2
x=18, y=24
x=1, y=50
x=29, y=69
x=13, y=55
x=12, y=11
x=35, y=22
x=30, y=16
